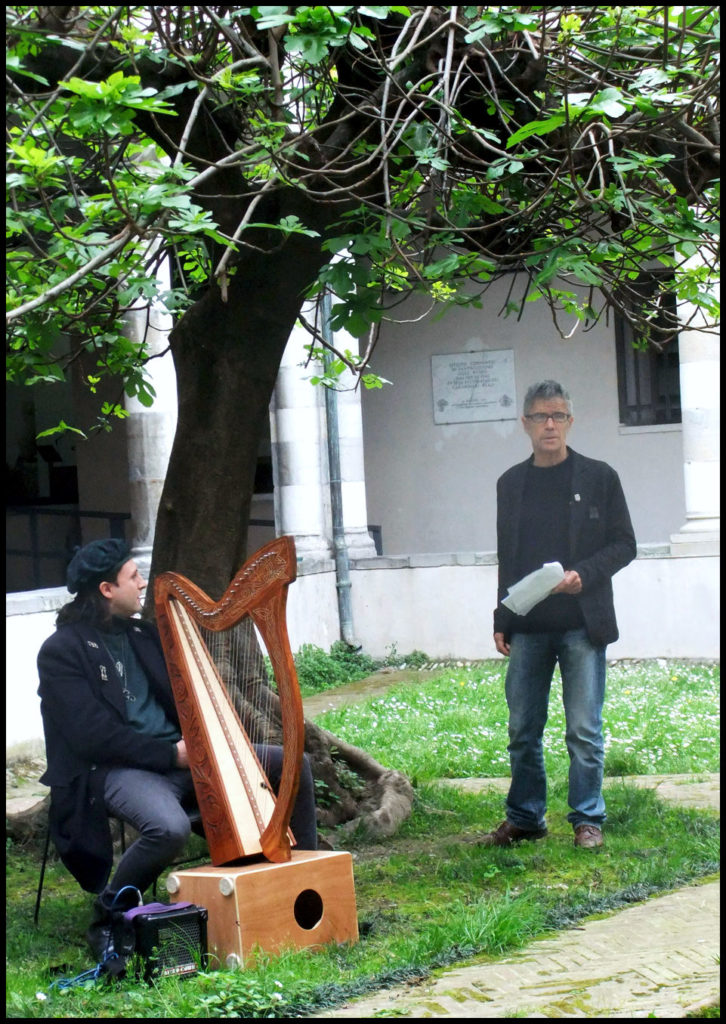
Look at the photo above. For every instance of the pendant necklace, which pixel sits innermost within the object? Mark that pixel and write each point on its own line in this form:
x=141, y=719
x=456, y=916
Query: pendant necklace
x=120, y=666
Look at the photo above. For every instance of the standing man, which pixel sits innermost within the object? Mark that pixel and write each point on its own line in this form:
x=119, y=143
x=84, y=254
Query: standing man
x=557, y=506
x=113, y=742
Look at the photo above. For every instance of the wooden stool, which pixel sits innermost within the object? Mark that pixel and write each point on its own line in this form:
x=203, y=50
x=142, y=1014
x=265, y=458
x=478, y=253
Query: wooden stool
x=307, y=901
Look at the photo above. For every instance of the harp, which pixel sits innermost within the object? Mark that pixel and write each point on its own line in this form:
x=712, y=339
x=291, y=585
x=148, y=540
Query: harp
x=259, y=892
x=206, y=645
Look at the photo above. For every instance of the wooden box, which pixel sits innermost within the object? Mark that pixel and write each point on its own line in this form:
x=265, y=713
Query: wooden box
x=307, y=901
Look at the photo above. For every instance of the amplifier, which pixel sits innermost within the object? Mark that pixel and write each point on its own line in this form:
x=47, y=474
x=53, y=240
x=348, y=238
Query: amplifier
x=167, y=939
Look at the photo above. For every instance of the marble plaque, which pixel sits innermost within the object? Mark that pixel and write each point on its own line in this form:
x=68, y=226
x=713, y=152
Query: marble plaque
x=474, y=386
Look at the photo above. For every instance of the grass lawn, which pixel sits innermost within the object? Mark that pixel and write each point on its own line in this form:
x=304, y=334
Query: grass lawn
x=430, y=895
x=659, y=718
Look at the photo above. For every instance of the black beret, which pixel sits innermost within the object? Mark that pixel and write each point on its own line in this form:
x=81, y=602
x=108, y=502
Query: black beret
x=96, y=562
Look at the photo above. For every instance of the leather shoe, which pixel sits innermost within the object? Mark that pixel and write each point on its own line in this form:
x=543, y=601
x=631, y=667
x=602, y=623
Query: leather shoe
x=588, y=836
x=506, y=834
x=100, y=938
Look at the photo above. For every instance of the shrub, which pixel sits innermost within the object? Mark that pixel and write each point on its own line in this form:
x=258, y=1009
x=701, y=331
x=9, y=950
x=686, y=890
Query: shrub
x=317, y=670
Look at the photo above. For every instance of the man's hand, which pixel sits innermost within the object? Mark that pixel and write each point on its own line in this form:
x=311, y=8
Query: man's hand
x=182, y=759
x=501, y=645
x=571, y=584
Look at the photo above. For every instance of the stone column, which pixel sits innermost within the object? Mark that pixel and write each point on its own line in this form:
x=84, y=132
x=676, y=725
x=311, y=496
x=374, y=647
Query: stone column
x=297, y=431
x=352, y=467
x=299, y=436
x=699, y=375
x=150, y=433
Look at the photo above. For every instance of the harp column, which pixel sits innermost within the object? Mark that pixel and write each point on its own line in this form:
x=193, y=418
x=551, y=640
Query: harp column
x=149, y=431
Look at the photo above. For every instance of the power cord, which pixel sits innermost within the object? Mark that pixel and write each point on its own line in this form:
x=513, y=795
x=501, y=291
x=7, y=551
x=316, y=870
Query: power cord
x=109, y=966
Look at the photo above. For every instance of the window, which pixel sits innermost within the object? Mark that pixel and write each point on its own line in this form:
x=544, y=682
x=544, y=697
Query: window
x=649, y=384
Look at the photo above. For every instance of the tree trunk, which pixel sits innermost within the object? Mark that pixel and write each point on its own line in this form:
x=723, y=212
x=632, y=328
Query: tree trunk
x=227, y=356
x=26, y=820
x=354, y=790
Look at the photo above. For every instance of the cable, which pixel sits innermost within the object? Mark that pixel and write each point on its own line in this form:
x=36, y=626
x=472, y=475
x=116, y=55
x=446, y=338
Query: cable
x=102, y=968
x=80, y=979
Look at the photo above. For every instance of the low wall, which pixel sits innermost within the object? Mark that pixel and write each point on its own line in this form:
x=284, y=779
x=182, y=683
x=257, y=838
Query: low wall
x=441, y=604
x=666, y=606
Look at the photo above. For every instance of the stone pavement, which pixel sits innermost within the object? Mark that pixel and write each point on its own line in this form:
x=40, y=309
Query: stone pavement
x=659, y=958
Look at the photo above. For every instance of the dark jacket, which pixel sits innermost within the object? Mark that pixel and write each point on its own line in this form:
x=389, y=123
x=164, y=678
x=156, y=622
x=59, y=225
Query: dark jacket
x=87, y=733
x=601, y=541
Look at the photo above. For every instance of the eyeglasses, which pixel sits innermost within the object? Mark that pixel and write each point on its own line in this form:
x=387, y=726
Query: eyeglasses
x=542, y=417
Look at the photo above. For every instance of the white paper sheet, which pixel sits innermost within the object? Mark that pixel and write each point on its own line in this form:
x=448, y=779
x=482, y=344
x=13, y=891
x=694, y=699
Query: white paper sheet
x=529, y=591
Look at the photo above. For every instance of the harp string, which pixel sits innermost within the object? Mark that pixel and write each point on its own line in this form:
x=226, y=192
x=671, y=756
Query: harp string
x=239, y=662
x=236, y=759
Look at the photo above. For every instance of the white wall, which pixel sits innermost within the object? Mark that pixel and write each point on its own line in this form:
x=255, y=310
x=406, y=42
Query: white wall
x=666, y=607
x=29, y=620
x=432, y=487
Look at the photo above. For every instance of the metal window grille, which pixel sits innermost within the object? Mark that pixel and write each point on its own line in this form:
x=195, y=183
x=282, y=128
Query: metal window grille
x=649, y=390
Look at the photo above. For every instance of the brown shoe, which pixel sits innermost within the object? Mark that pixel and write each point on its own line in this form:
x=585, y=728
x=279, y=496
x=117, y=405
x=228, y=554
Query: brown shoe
x=507, y=833
x=588, y=836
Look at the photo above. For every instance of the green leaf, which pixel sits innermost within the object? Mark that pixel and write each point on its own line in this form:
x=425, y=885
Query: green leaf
x=14, y=63
x=498, y=20
x=312, y=48
x=114, y=409
x=442, y=267
x=612, y=102
x=271, y=17
x=536, y=128
x=291, y=225
x=381, y=13
x=60, y=428
x=372, y=380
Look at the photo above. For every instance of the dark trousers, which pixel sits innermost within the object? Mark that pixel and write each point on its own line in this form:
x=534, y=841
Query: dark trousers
x=156, y=807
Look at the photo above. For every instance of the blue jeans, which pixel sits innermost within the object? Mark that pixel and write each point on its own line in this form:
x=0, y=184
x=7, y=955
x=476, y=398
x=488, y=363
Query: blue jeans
x=532, y=661
x=156, y=806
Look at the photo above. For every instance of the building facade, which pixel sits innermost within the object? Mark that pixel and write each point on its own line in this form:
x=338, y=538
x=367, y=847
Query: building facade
x=390, y=493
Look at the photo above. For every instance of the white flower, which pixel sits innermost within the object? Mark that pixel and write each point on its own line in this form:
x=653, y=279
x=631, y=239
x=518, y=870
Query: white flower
x=41, y=996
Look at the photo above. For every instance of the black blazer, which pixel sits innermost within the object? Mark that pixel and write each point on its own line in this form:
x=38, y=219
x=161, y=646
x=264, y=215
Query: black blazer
x=601, y=541
x=87, y=733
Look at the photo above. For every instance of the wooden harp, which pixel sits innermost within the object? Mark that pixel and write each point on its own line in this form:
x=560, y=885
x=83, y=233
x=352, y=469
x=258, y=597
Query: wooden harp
x=242, y=816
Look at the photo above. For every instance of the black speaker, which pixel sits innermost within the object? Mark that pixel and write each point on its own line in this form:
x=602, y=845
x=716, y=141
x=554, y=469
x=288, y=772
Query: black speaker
x=166, y=939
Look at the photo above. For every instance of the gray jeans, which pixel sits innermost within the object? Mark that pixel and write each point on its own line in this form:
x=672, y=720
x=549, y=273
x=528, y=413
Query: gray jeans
x=156, y=807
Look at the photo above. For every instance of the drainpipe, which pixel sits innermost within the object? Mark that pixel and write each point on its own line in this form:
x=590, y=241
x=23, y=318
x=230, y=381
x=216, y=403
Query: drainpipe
x=342, y=562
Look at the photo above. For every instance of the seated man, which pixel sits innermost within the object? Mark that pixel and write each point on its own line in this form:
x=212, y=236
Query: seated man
x=113, y=742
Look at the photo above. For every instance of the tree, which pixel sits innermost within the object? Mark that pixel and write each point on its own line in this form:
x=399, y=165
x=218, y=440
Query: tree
x=272, y=153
